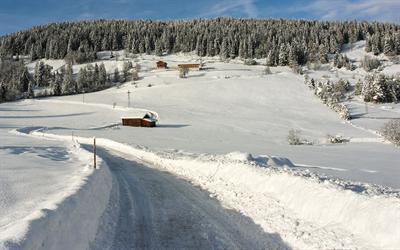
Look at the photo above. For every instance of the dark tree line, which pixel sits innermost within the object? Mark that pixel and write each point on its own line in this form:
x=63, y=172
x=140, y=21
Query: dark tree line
x=17, y=83
x=282, y=42
x=379, y=88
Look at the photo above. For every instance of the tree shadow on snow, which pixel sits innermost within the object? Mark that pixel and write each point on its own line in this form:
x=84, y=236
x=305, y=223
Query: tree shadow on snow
x=52, y=153
x=366, y=116
x=45, y=116
x=172, y=125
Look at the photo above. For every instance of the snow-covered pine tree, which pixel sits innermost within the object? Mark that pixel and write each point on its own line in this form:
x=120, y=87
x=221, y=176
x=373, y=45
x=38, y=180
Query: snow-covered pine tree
x=376, y=44
x=56, y=88
x=102, y=76
x=24, y=79
x=116, y=76
x=323, y=54
x=270, y=61
x=379, y=88
x=82, y=83
x=125, y=72
x=368, y=44
x=283, y=55
x=39, y=74
x=389, y=46
x=158, y=48
x=96, y=77
x=224, y=53
x=30, y=93
x=69, y=84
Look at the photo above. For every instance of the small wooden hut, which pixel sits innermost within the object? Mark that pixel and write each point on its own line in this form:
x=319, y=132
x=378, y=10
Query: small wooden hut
x=145, y=121
x=191, y=66
x=162, y=65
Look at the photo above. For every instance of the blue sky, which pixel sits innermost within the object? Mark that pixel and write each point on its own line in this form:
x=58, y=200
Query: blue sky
x=20, y=14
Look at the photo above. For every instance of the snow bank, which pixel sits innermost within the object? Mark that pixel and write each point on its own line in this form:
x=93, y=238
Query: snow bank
x=306, y=210
x=72, y=221
x=374, y=219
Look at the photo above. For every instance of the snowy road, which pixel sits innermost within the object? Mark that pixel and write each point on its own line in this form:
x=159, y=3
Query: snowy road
x=150, y=209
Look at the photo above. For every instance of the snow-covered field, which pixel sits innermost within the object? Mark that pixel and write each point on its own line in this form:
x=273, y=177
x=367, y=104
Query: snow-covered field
x=228, y=107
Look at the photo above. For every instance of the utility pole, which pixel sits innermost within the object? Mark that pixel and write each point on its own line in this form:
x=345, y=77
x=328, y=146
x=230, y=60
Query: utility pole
x=129, y=99
x=94, y=153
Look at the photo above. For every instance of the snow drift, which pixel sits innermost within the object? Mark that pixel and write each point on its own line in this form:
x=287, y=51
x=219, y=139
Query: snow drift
x=56, y=226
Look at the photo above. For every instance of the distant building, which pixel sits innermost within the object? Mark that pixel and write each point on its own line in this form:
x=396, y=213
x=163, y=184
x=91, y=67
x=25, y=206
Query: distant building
x=146, y=121
x=192, y=66
x=162, y=65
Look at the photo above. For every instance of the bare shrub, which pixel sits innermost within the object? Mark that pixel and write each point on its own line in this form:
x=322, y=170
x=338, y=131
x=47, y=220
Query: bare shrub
x=369, y=63
x=250, y=62
x=294, y=138
x=267, y=70
x=335, y=139
x=183, y=72
x=391, y=131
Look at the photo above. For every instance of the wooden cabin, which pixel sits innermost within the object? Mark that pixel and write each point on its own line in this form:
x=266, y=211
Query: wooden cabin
x=145, y=121
x=191, y=66
x=162, y=65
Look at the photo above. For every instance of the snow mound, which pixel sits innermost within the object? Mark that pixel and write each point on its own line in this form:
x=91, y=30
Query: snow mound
x=79, y=209
x=238, y=156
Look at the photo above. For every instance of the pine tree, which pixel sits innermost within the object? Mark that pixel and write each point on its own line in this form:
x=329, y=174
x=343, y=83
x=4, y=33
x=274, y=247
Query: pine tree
x=56, y=87
x=397, y=43
x=127, y=67
x=375, y=45
x=30, y=92
x=3, y=92
x=158, y=48
x=389, y=48
x=39, y=74
x=116, y=77
x=380, y=93
x=283, y=55
x=242, y=50
x=323, y=54
x=224, y=53
x=293, y=58
x=33, y=54
x=82, y=83
x=24, y=79
x=102, y=75
x=69, y=84
x=270, y=61
x=368, y=45
x=96, y=77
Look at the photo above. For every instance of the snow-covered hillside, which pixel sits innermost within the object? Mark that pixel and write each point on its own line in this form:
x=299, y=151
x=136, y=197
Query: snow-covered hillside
x=227, y=107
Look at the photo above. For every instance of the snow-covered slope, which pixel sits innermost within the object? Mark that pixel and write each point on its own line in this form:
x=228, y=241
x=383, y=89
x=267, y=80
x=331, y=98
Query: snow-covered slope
x=37, y=179
x=225, y=108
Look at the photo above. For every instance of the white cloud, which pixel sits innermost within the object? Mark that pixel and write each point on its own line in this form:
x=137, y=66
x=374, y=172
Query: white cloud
x=381, y=10
x=226, y=7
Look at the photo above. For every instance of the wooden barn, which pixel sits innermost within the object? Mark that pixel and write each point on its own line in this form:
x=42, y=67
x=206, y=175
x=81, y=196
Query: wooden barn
x=191, y=66
x=162, y=65
x=146, y=121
